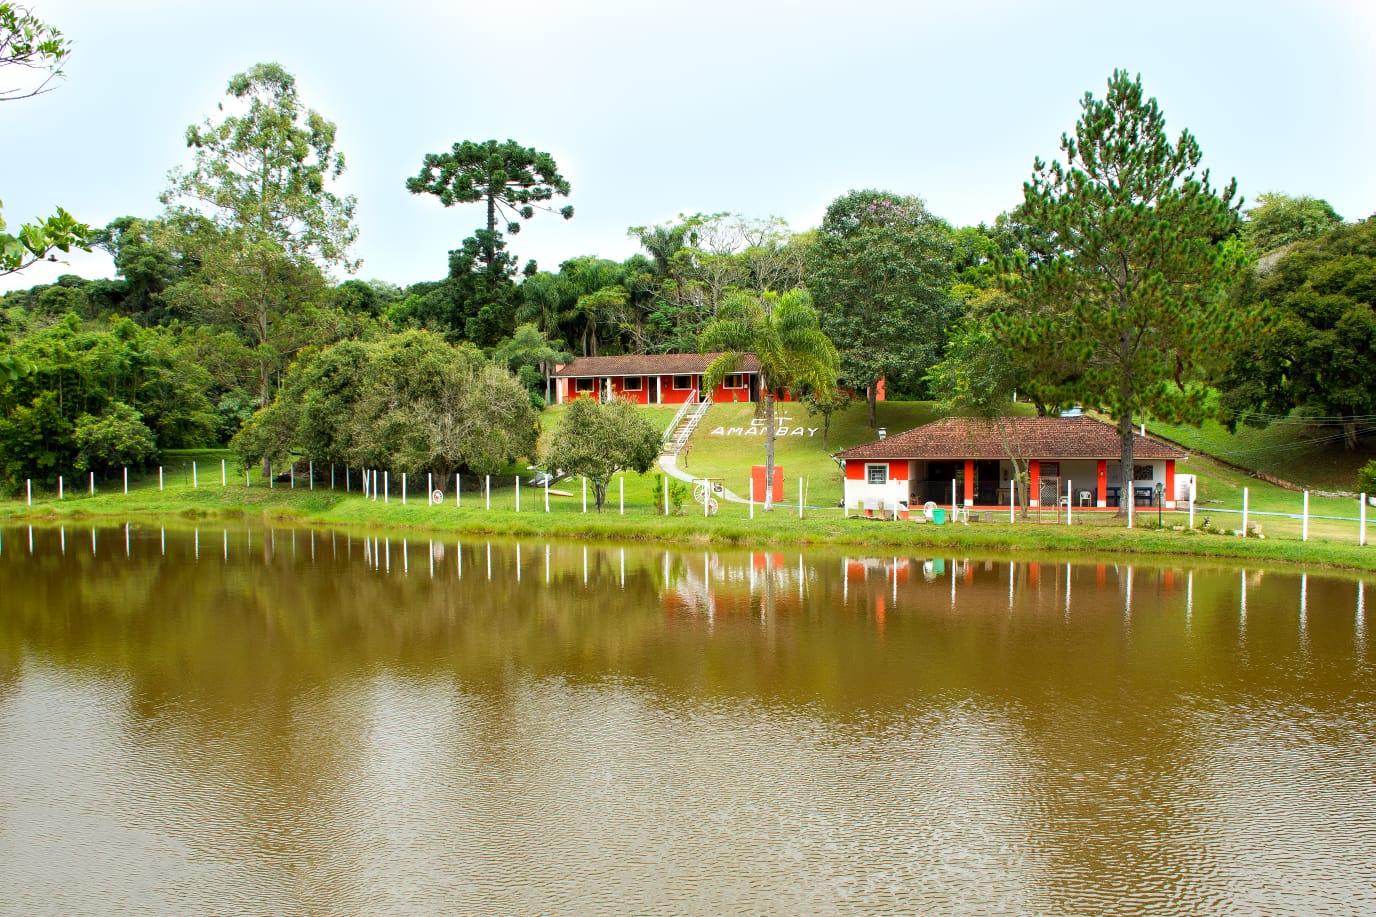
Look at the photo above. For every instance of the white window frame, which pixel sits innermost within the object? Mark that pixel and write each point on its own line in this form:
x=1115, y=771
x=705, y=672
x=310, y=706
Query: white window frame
x=632, y=384
x=585, y=385
x=871, y=467
x=735, y=380
x=687, y=384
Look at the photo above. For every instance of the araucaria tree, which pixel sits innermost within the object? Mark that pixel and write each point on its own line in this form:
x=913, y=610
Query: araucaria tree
x=1144, y=251
x=262, y=176
x=510, y=179
x=783, y=334
x=597, y=440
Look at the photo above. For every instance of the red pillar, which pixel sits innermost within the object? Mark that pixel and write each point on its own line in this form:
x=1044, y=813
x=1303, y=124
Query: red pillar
x=1034, y=487
x=969, y=482
x=1169, y=496
x=1102, y=499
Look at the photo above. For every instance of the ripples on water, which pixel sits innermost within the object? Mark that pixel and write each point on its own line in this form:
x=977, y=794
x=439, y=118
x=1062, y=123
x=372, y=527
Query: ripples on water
x=256, y=722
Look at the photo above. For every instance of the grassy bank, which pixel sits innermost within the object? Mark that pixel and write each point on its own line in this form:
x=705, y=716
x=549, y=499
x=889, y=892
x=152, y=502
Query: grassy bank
x=1091, y=534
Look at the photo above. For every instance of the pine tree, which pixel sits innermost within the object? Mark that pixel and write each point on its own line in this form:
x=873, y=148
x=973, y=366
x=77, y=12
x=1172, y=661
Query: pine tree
x=1144, y=252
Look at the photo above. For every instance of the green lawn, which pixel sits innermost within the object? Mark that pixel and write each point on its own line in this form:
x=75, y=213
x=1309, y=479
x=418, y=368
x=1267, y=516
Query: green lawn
x=731, y=457
x=1306, y=454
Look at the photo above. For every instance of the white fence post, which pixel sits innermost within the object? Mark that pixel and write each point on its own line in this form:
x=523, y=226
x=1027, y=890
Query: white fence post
x=1193, y=486
x=547, y=477
x=386, y=487
x=1304, y=528
x=195, y=484
x=28, y=490
x=59, y=487
x=752, y=495
x=585, y=494
x=224, y=474
x=518, y=493
x=1361, y=531
x=487, y=489
x=666, y=495
x=1012, y=494
x=621, y=497
x=310, y=472
x=1244, y=512
x=1069, y=498
x=93, y=483
x=126, y=480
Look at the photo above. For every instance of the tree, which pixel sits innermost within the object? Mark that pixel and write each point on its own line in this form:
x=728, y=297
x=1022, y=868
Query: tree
x=28, y=44
x=262, y=175
x=1278, y=220
x=530, y=355
x=1318, y=349
x=510, y=179
x=407, y=402
x=1144, y=252
x=881, y=268
x=598, y=439
x=783, y=334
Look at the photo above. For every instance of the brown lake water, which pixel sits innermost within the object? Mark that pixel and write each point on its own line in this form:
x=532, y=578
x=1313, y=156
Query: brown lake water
x=249, y=720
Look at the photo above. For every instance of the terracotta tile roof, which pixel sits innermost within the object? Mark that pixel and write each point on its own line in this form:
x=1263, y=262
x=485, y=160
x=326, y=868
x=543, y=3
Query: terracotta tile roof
x=1029, y=437
x=648, y=364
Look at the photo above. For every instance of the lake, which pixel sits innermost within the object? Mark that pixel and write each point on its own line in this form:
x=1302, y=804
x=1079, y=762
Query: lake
x=239, y=719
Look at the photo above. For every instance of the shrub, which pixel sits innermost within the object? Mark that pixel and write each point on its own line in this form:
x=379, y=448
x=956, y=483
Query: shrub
x=1366, y=478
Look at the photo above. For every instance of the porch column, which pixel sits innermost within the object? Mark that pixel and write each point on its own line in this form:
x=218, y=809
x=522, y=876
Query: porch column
x=659, y=389
x=1169, y=496
x=1102, y=500
x=1034, y=485
x=969, y=482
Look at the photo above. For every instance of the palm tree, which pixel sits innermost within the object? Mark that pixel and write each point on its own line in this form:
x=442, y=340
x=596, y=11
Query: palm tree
x=783, y=334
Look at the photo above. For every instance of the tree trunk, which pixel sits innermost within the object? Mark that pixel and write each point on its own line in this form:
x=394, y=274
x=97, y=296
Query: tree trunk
x=265, y=381
x=599, y=492
x=1349, y=433
x=872, y=399
x=768, y=448
x=1125, y=477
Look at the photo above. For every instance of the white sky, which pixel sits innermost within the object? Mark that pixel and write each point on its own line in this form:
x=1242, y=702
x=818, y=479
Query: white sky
x=652, y=109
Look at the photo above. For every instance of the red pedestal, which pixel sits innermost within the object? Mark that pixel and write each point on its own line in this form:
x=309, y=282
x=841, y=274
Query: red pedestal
x=757, y=476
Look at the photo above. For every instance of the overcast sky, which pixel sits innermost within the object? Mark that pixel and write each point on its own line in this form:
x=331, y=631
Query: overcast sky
x=654, y=109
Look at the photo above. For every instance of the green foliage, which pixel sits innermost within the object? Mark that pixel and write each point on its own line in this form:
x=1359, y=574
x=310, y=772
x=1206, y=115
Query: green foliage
x=262, y=177
x=677, y=492
x=512, y=180
x=1319, y=349
x=27, y=43
x=35, y=442
x=881, y=272
x=695, y=264
x=1278, y=220
x=976, y=377
x=598, y=439
x=530, y=355
x=116, y=438
x=1366, y=478
x=405, y=402
x=1144, y=252
x=266, y=172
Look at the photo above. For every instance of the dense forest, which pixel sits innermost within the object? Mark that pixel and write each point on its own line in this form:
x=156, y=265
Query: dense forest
x=1129, y=285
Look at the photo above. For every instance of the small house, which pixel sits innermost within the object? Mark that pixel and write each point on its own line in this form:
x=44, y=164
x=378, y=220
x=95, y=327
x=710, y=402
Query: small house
x=970, y=463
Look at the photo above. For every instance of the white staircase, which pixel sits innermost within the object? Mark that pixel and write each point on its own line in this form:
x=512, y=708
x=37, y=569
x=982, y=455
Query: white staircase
x=685, y=422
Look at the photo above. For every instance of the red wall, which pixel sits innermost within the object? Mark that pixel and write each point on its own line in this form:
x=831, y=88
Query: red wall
x=640, y=397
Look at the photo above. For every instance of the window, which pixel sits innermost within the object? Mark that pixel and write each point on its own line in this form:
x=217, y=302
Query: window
x=1051, y=469
x=876, y=474
x=586, y=385
x=683, y=383
x=734, y=380
x=630, y=384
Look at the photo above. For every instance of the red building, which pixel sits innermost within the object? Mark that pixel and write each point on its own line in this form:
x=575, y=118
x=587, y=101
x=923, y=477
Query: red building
x=664, y=378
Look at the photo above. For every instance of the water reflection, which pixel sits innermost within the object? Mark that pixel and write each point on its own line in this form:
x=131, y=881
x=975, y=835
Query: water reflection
x=585, y=728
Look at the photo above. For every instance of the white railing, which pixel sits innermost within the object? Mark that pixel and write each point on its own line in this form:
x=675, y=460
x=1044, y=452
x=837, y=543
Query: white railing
x=685, y=422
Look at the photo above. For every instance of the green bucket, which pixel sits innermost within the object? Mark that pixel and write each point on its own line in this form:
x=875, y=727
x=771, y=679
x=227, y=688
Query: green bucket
x=939, y=516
